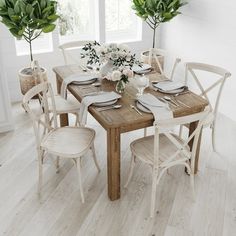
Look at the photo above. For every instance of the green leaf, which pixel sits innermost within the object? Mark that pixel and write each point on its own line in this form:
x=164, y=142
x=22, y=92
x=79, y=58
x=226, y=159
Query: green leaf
x=47, y=9
x=29, y=9
x=43, y=4
x=48, y=28
x=53, y=17
x=14, y=32
x=11, y=12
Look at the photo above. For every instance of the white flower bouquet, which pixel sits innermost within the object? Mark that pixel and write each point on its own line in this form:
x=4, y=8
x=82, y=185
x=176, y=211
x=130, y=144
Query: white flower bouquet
x=119, y=54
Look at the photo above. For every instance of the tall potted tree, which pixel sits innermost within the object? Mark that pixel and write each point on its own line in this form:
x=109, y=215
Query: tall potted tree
x=155, y=12
x=28, y=19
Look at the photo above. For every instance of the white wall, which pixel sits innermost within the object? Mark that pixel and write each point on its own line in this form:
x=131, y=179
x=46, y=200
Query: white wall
x=6, y=122
x=206, y=32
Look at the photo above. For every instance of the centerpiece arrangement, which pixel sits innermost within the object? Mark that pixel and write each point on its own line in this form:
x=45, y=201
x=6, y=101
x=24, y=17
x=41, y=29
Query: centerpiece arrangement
x=115, y=61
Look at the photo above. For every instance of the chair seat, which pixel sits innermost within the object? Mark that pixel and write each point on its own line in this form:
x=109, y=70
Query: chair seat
x=143, y=148
x=69, y=142
x=71, y=105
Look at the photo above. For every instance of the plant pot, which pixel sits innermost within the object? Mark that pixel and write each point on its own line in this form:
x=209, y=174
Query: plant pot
x=144, y=57
x=27, y=81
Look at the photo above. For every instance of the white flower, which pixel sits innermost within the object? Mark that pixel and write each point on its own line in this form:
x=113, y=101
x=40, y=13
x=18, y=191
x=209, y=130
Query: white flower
x=124, y=47
x=116, y=75
x=128, y=73
x=113, y=46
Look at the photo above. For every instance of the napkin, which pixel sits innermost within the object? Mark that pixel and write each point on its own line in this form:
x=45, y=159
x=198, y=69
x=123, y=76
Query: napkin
x=88, y=100
x=169, y=85
x=159, y=109
x=79, y=77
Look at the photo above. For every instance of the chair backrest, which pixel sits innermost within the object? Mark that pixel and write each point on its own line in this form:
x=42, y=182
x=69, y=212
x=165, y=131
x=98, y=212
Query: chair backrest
x=165, y=125
x=67, y=49
x=170, y=62
x=220, y=75
x=39, y=112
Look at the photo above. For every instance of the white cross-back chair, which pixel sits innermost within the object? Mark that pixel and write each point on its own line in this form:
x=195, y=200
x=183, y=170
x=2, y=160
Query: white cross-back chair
x=63, y=106
x=68, y=48
x=172, y=65
x=164, y=150
x=218, y=77
x=66, y=142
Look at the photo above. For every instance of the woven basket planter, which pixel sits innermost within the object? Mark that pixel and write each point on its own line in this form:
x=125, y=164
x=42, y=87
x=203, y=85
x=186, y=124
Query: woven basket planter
x=27, y=81
x=145, y=59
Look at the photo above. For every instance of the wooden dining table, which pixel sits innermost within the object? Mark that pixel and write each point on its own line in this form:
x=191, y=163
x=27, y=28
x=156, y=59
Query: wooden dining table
x=125, y=119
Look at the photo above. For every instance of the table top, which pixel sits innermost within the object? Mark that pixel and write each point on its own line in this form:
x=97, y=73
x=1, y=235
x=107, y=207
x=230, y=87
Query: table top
x=126, y=118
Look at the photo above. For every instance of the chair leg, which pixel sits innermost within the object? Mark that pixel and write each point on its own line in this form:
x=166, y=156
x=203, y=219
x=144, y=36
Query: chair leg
x=180, y=131
x=153, y=194
x=145, y=132
x=95, y=158
x=57, y=164
x=77, y=123
x=192, y=184
x=131, y=169
x=80, y=180
x=40, y=173
x=213, y=137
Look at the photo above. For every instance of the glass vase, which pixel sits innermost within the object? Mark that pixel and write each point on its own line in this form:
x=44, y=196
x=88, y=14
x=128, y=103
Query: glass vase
x=106, y=68
x=120, y=86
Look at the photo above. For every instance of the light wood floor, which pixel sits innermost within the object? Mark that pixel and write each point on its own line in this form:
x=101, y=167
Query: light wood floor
x=59, y=210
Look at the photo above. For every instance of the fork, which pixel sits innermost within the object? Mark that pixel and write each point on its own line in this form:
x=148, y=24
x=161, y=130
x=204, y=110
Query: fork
x=133, y=107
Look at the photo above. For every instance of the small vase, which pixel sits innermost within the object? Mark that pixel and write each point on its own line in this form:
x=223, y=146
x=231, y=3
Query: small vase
x=106, y=68
x=120, y=86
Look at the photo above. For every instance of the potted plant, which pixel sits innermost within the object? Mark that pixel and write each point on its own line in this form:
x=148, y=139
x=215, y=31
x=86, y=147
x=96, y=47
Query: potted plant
x=155, y=12
x=28, y=19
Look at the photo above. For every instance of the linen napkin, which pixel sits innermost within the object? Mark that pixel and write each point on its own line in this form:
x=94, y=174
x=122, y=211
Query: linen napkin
x=79, y=77
x=169, y=85
x=159, y=109
x=88, y=100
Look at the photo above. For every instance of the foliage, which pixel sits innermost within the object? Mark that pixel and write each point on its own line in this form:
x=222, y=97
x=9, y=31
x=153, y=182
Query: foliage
x=28, y=18
x=119, y=54
x=155, y=12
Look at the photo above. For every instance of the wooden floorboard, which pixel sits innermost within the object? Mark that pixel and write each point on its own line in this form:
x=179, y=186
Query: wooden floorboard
x=59, y=210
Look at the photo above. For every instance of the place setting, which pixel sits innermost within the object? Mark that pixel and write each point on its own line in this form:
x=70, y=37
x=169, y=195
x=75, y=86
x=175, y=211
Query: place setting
x=102, y=100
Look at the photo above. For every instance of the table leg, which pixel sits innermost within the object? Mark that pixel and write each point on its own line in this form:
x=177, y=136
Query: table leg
x=192, y=127
x=113, y=163
x=64, y=121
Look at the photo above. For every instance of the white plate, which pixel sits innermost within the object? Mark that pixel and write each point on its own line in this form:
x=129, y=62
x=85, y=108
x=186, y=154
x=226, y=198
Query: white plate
x=85, y=82
x=139, y=69
x=103, y=104
x=143, y=72
x=142, y=108
x=172, y=91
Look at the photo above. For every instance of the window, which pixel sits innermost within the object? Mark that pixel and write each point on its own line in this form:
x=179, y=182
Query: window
x=40, y=45
x=78, y=20
x=122, y=25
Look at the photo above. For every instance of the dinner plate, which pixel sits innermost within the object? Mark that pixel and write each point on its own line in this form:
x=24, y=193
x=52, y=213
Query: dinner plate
x=103, y=104
x=90, y=81
x=180, y=90
x=143, y=71
x=169, y=86
x=142, y=108
x=140, y=69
